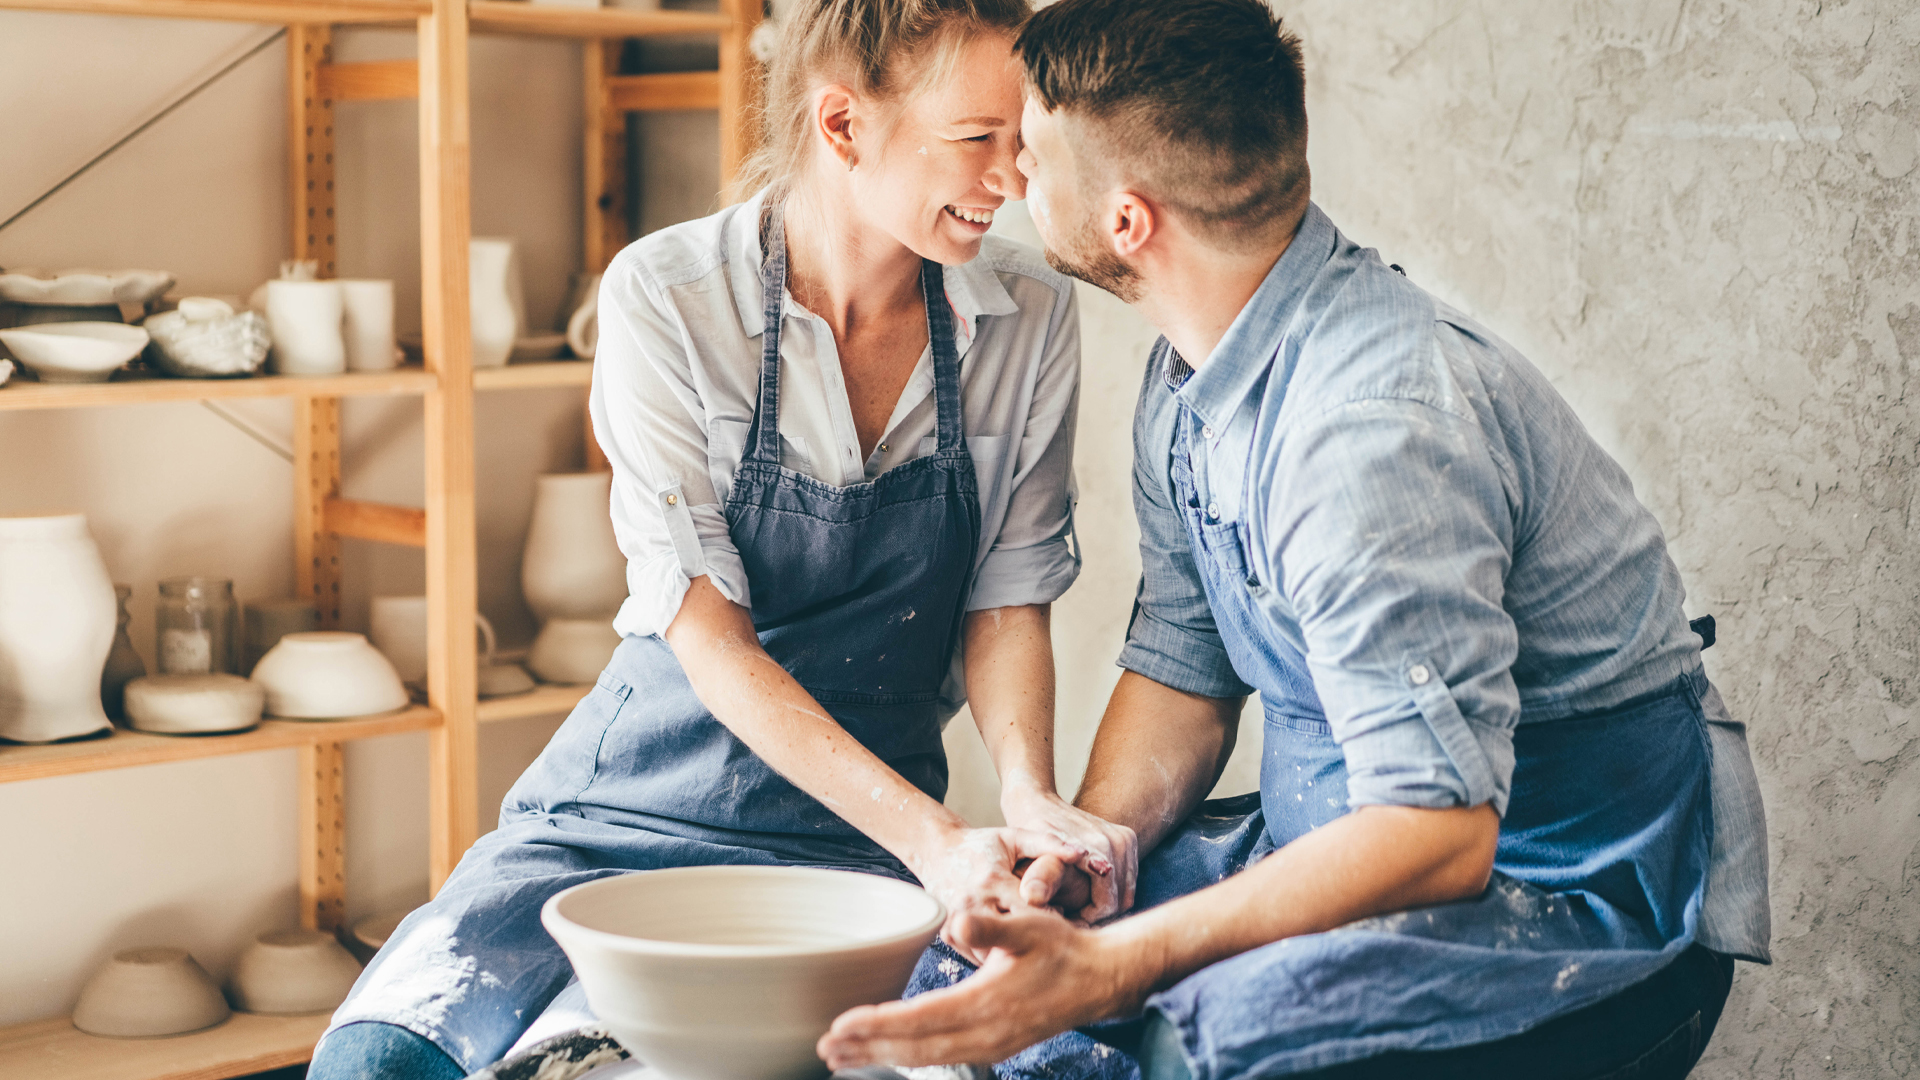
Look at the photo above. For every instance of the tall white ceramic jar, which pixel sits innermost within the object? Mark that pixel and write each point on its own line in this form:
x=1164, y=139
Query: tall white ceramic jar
x=57, y=619
x=572, y=567
x=495, y=302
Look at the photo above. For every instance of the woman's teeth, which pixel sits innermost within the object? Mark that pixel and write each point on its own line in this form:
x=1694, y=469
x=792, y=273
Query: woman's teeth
x=978, y=217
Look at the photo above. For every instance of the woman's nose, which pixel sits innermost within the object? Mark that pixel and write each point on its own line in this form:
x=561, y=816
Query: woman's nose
x=1003, y=176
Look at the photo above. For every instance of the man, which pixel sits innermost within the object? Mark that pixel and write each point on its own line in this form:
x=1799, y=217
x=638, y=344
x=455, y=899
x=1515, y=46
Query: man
x=1504, y=821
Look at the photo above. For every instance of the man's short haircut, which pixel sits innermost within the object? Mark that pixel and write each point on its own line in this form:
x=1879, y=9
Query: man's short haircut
x=1197, y=104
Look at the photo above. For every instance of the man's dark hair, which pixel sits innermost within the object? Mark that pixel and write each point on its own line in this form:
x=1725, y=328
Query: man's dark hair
x=1200, y=104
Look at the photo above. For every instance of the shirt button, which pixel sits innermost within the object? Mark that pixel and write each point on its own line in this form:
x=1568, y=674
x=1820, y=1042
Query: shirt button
x=1206, y=433
x=1213, y=511
x=884, y=448
x=673, y=500
x=1419, y=674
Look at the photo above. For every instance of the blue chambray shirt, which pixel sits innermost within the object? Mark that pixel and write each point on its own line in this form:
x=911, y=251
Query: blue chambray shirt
x=1428, y=522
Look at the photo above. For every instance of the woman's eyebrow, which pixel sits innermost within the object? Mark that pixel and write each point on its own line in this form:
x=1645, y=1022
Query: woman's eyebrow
x=982, y=121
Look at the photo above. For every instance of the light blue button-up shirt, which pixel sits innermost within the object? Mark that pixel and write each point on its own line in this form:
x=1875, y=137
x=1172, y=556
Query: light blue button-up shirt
x=1427, y=521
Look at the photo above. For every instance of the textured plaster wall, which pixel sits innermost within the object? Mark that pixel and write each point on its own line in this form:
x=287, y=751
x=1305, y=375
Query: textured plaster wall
x=1699, y=218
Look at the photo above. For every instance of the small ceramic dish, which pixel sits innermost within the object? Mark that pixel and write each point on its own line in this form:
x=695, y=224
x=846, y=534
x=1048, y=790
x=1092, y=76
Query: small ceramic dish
x=328, y=675
x=536, y=347
x=84, y=288
x=193, y=704
x=143, y=993
x=204, y=338
x=505, y=680
x=370, y=934
x=74, y=352
x=734, y=972
x=292, y=973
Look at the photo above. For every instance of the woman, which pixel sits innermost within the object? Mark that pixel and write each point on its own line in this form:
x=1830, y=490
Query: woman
x=840, y=421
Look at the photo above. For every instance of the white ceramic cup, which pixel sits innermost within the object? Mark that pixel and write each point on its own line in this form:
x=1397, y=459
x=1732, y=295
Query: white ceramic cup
x=399, y=629
x=305, y=318
x=369, y=326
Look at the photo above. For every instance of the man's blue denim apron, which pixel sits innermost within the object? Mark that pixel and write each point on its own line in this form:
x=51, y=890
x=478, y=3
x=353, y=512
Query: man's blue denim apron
x=858, y=591
x=1598, y=877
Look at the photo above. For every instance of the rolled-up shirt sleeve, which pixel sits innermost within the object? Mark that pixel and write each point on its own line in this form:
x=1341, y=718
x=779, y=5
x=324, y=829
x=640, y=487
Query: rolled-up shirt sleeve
x=1171, y=638
x=1032, y=559
x=1391, y=525
x=652, y=426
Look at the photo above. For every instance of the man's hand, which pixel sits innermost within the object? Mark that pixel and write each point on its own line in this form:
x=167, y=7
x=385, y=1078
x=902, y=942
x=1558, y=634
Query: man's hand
x=1043, y=976
x=972, y=872
x=1100, y=885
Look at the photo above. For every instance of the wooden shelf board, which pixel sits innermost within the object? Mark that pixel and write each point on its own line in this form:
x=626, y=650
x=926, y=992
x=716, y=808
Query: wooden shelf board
x=124, y=749
x=256, y=11
x=535, y=375
x=555, y=20
x=143, y=390
x=543, y=700
x=245, y=1044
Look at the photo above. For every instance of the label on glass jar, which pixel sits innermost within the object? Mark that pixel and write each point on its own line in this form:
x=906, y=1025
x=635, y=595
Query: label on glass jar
x=186, y=652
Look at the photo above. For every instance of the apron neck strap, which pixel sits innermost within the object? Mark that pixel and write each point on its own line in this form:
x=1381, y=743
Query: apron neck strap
x=763, y=439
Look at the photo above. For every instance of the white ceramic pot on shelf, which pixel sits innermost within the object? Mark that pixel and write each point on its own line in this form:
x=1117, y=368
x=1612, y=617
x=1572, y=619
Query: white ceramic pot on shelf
x=147, y=993
x=307, y=320
x=574, y=576
x=57, y=621
x=496, y=305
x=292, y=973
x=328, y=675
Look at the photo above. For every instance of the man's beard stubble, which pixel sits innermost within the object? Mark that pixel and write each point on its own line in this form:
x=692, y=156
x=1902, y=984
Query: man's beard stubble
x=1095, y=266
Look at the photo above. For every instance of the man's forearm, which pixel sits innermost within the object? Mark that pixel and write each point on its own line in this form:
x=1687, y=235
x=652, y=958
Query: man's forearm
x=1375, y=860
x=1159, y=751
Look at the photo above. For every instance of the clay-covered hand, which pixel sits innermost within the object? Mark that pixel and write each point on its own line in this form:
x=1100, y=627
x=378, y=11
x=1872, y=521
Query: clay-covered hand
x=1043, y=975
x=972, y=871
x=1092, y=889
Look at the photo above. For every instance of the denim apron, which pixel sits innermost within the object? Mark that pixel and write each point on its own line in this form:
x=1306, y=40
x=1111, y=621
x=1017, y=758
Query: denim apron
x=859, y=592
x=1598, y=881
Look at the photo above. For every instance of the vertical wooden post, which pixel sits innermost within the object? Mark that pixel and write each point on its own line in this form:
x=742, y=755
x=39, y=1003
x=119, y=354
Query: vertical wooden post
x=739, y=94
x=316, y=478
x=323, y=833
x=316, y=473
x=445, y=229
x=310, y=145
x=605, y=166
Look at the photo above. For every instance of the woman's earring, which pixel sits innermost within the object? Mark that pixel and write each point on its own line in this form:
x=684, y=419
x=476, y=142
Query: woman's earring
x=852, y=162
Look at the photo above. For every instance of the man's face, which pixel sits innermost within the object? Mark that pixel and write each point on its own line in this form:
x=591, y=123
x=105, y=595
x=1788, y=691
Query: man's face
x=1066, y=212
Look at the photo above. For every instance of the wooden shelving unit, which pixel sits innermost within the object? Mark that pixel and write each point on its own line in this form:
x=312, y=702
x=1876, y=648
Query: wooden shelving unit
x=445, y=383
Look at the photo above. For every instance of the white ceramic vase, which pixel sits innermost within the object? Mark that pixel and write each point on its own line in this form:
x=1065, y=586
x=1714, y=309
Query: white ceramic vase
x=369, y=324
x=57, y=621
x=572, y=572
x=495, y=302
x=307, y=320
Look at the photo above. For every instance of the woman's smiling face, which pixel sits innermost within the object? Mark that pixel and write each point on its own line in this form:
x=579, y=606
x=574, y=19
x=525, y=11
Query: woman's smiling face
x=948, y=163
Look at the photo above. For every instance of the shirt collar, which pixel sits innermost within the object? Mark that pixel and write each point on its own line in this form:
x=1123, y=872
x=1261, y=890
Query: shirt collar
x=1216, y=389
x=973, y=289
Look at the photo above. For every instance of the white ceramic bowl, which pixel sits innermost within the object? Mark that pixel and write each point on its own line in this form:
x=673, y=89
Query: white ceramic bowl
x=141, y=993
x=84, y=288
x=193, y=704
x=573, y=651
x=328, y=675
x=292, y=973
x=74, y=352
x=371, y=933
x=734, y=972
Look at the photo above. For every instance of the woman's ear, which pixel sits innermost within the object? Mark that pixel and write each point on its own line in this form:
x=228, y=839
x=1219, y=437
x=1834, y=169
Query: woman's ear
x=833, y=109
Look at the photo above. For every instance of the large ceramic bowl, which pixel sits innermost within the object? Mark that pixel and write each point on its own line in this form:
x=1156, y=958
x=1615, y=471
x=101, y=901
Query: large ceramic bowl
x=142, y=993
x=193, y=704
x=74, y=352
x=734, y=972
x=292, y=973
x=328, y=675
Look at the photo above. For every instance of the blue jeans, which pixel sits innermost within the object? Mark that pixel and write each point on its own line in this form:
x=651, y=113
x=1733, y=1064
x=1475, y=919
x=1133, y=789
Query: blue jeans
x=375, y=1051
x=1654, y=1030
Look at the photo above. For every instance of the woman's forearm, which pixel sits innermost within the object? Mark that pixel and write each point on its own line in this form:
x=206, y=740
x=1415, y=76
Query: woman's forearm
x=1009, y=654
x=766, y=708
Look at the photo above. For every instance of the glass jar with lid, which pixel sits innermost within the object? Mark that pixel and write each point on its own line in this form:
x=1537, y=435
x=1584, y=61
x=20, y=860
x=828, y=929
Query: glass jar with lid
x=197, y=627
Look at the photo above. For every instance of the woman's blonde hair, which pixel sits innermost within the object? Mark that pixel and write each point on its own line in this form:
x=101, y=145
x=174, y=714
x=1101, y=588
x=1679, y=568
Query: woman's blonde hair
x=876, y=48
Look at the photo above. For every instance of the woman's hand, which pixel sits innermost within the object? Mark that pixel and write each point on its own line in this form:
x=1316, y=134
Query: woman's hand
x=1091, y=889
x=973, y=872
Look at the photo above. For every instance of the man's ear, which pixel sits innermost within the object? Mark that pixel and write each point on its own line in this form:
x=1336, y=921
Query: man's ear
x=833, y=109
x=1131, y=224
